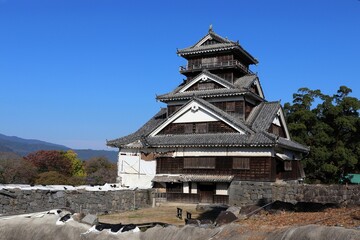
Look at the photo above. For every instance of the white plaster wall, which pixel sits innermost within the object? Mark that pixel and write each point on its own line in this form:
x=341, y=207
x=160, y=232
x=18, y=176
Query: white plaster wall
x=221, y=189
x=185, y=187
x=276, y=121
x=194, y=188
x=196, y=116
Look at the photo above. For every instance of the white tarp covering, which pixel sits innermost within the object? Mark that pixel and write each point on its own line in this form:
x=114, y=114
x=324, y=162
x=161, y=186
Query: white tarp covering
x=134, y=172
x=105, y=187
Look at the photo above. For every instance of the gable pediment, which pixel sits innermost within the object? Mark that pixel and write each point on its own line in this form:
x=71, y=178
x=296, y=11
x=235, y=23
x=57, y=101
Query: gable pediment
x=257, y=87
x=279, y=121
x=210, y=41
x=195, y=112
x=207, y=40
x=205, y=81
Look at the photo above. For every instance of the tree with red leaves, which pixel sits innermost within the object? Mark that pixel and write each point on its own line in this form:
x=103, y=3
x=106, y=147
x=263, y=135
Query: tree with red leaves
x=46, y=161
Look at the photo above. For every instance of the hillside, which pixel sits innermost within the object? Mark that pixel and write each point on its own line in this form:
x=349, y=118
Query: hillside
x=23, y=147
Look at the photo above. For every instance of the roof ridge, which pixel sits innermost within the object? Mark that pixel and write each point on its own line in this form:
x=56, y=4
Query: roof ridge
x=212, y=34
x=265, y=116
x=237, y=82
x=254, y=114
x=215, y=35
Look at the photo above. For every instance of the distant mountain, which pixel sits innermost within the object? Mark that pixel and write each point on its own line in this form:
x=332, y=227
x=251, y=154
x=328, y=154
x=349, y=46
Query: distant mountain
x=23, y=147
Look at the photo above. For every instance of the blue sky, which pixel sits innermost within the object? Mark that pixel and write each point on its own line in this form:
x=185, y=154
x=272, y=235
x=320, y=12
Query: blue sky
x=78, y=72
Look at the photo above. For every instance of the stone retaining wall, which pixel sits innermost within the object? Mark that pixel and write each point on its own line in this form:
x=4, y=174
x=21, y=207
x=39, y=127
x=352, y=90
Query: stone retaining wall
x=16, y=201
x=245, y=193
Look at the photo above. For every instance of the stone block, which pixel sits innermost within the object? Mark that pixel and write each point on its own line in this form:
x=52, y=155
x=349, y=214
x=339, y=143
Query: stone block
x=90, y=219
x=59, y=194
x=253, y=196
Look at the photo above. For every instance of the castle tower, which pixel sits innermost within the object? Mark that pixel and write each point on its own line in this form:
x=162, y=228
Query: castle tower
x=216, y=128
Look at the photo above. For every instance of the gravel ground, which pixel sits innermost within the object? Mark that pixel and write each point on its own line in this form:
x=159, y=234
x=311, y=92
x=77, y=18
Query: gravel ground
x=343, y=217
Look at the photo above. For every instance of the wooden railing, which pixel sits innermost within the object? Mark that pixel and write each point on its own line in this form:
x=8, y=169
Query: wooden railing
x=190, y=198
x=182, y=197
x=221, y=199
x=229, y=63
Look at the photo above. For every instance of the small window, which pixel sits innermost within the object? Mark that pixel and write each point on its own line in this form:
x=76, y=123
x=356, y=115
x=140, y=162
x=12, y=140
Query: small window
x=201, y=128
x=199, y=162
x=230, y=106
x=287, y=165
x=206, y=86
x=275, y=130
x=188, y=128
x=241, y=163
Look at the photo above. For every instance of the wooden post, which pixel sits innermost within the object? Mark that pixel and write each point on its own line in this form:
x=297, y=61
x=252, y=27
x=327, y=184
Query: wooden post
x=188, y=215
x=179, y=213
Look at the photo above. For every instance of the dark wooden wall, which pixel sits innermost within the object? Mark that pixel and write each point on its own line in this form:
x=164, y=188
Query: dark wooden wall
x=261, y=168
x=293, y=174
x=204, y=86
x=234, y=108
x=200, y=127
x=279, y=131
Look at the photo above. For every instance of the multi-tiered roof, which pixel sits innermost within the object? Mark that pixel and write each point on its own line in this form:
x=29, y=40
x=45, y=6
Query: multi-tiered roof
x=221, y=104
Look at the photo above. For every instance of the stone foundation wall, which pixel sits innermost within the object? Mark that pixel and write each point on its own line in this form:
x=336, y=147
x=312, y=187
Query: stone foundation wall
x=246, y=193
x=16, y=201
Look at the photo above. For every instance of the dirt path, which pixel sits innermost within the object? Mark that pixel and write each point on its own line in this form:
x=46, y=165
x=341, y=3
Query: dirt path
x=166, y=213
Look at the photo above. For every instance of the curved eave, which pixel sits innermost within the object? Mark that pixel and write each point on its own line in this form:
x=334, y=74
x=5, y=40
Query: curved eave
x=214, y=145
x=299, y=149
x=188, y=52
x=201, y=145
x=114, y=145
x=205, y=95
x=208, y=95
x=197, y=51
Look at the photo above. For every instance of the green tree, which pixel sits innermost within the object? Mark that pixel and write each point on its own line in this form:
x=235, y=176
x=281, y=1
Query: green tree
x=77, y=166
x=52, y=178
x=331, y=129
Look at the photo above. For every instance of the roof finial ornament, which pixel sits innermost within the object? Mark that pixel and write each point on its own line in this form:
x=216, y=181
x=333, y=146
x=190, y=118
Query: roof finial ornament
x=211, y=28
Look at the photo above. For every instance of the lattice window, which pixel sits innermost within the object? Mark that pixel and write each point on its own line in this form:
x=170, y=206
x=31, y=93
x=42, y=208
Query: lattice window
x=201, y=128
x=230, y=106
x=241, y=163
x=188, y=128
x=200, y=162
x=206, y=85
x=287, y=165
x=174, y=187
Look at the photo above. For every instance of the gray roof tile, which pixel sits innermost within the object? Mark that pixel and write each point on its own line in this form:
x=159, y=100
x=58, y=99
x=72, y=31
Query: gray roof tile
x=155, y=121
x=245, y=82
x=240, y=87
x=255, y=136
x=263, y=115
x=210, y=140
x=224, y=44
